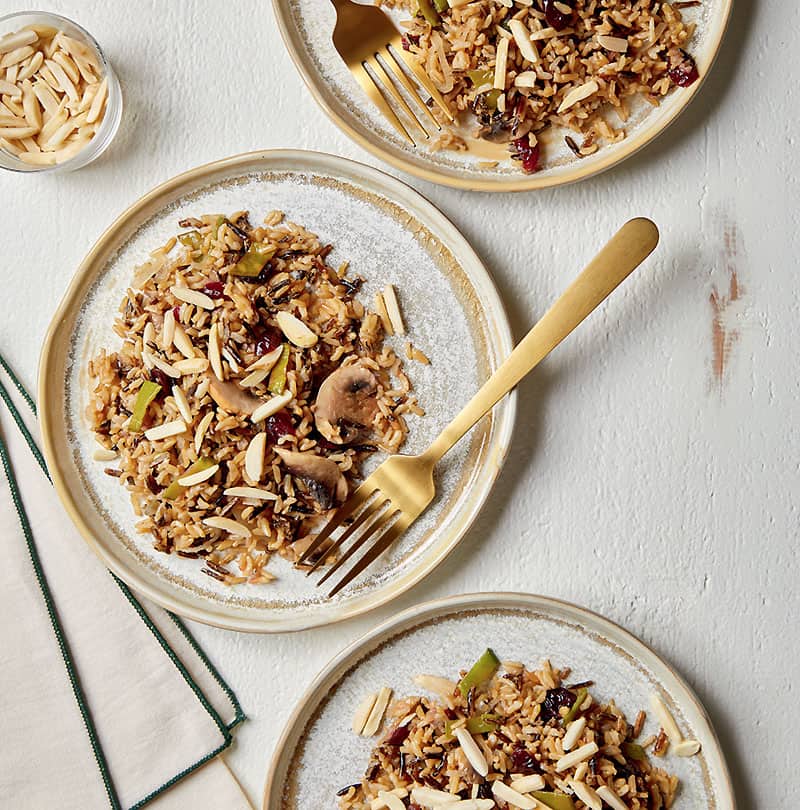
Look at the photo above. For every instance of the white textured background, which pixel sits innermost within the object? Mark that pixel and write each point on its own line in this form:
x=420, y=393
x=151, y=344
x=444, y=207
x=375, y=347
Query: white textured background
x=639, y=484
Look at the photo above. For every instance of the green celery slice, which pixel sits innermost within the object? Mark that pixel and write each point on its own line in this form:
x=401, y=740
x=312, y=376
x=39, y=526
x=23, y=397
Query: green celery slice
x=252, y=263
x=440, y=5
x=191, y=239
x=175, y=489
x=482, y=724
x=556, y=801
x=277, y=377
x=480, y=77
x=482, y=670
x=425, y=8
x=147, y=393
x=634, y=751
x=575, y=708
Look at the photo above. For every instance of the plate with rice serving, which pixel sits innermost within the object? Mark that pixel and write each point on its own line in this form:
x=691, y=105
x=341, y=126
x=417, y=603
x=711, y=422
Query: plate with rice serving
x=543, y=92
x=237, y=352
x=498, y=700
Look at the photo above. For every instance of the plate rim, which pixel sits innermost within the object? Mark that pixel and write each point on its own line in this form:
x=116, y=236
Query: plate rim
x=50, y=392
x=416, y=614
x=630, y=146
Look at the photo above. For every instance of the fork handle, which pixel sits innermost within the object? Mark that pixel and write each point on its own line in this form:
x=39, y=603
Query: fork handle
x=626, y=250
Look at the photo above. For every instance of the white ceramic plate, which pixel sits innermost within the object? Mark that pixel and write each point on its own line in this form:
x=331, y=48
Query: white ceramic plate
x=390, y=234
x=318, y=753
x=307, y=26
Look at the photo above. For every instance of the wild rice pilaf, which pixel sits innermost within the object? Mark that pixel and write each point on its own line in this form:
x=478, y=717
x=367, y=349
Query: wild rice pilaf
x=250, y=386
x=522, y=66
x=505, y=736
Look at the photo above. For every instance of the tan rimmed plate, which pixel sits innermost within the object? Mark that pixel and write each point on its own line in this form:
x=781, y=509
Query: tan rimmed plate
x=307, y=26
x=390, y=234
x=318, y=753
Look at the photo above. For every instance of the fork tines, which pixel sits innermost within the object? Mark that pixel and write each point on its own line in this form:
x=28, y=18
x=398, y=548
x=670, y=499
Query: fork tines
x=373, y=517
x=380, y=76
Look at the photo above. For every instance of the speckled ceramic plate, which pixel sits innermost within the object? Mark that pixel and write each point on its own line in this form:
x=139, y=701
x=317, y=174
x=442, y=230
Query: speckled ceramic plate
x=318, y=753
x=307, y=26
x=390, y=234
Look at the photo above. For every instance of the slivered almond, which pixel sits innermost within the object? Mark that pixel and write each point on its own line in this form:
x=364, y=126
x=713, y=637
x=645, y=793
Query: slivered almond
x=687, y=748
x=182, y=403
x=268, y=360
x=578, y=94
x=104, y=454
x=577, y=756
x=33, y=112
x=573, y=733
x=472, y=751
x=27, y=69
x=362, y=712
x=526, y=784
x=17, y=133
x=522, y=36
x=250, y=492
x=182, y=342
x=435, y=684
x=271, y=407
x=666, y=719
x=64, y=81
x=430, y=797
x=213, y=352
x=19, y=39
x=525, y=79
x=189, y=296
x=197, y=365
x=198, y=477
x=611, y=798
x=168, y=369
x=617, y=44
x=380, y=310
x=228, y=525
x=545, y=33
x=387, y=800
x=378, y=710
x=393, y=310
x=501, y=63
x=168, y=329
x=200, y=433
x=586, y=794
x=97, y=102
x=149, y=334
x=254, y=378
x=512, y=797
x=166, y=430
x=295, y=330
x=16, y=56
x=254, y=457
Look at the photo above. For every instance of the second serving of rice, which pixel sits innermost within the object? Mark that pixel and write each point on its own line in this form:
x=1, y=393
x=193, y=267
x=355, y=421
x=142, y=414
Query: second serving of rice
x=505, y=736
x=250, y=386
x=521, y=67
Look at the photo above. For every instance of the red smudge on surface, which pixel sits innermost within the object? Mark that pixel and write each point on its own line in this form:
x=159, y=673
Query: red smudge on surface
x=724, y=336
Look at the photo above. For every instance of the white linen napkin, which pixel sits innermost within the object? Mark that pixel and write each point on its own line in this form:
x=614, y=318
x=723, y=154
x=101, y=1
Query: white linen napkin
x=107, y=700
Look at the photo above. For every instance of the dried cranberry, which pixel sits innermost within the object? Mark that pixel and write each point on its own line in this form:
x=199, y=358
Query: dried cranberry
x=214, y=289
x=522, y=761
x=408, y=40
x=553, y=701
x=683, y=70
x=397, y=736
x=324, y=444
x=279, y=424
x=528, y=155
x=176, y=311
x=555, y=17
x=267, y=341
x=158, y=376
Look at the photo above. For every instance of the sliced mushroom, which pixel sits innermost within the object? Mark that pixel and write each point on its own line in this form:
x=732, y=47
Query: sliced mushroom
x=347, y=404
x=229, y=396
x=323, y=477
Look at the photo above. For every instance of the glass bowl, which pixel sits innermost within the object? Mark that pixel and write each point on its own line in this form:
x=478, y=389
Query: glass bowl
x=109, y=125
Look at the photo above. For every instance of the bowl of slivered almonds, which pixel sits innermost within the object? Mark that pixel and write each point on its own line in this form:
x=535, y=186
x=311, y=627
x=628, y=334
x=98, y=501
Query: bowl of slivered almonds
x=60, y=101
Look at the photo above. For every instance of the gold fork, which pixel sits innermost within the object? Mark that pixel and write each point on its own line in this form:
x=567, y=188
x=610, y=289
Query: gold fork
x=397, y=493
x=372, y=48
